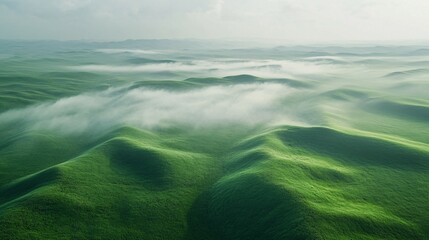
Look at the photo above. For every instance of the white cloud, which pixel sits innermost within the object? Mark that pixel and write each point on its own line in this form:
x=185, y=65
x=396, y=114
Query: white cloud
x=260, y=68
x=296, y=20
x=45, y=8
x=147, y=108
x=130, y=51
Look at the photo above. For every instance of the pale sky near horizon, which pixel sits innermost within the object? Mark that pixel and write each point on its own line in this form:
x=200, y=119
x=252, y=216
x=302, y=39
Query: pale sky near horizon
x=291, y=20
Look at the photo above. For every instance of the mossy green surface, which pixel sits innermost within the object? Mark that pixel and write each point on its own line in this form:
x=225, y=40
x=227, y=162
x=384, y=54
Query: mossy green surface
x=280, y=183
x=357, y=169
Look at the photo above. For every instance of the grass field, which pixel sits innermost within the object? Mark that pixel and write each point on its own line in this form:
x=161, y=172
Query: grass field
x=107, y=141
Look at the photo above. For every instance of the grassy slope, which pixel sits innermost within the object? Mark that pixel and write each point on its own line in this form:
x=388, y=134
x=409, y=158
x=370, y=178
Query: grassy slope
x=131, y=186
x=365, y=175
x=19, y=90
x=318, y=183
x=287, y=182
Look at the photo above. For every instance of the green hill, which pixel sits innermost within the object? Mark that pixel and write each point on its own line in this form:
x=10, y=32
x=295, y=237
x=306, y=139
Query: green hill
x=200, y=145
x=281, y=183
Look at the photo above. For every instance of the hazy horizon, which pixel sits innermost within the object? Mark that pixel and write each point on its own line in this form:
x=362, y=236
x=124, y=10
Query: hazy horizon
x=214, y=119
x=273, y=21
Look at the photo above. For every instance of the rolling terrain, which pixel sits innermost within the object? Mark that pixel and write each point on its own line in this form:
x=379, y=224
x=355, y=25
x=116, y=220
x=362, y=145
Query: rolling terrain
x=141, y=140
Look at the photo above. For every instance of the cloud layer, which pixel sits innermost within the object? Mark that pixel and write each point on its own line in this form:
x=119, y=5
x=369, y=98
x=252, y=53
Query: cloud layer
x=148, y=108
x=221, y=68
x=291, y=20
x=129, y=51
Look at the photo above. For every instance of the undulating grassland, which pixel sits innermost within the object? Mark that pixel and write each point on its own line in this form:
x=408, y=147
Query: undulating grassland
x=283, y=143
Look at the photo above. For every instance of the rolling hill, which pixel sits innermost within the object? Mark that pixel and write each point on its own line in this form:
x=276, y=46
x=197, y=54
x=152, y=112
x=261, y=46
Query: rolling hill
x=240, y=150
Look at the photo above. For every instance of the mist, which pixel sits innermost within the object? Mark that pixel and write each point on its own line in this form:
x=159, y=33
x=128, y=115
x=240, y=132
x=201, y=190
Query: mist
x=221, y=68
x=129, y=51
x=248, y=104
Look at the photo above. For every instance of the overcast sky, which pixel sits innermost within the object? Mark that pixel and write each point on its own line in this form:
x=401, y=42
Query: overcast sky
x=290, y=20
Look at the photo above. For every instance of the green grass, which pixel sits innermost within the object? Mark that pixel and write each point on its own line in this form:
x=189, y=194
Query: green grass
x=310, y=184
x=286, y=182
x=357, y=167
x=128, y=186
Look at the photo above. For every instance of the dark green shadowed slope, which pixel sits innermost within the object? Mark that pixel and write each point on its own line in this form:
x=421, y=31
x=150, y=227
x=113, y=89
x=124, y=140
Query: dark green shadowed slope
x=311, y=183
x=130, y=187
x=312, y=143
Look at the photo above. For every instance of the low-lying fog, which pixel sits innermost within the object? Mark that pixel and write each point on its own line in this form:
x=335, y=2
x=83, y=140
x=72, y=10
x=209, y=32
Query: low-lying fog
x=252, y=103
x=147, y=108
x=222, y=68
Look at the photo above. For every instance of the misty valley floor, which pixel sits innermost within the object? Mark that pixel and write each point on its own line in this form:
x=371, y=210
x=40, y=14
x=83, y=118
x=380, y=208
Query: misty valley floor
x=131, y=141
